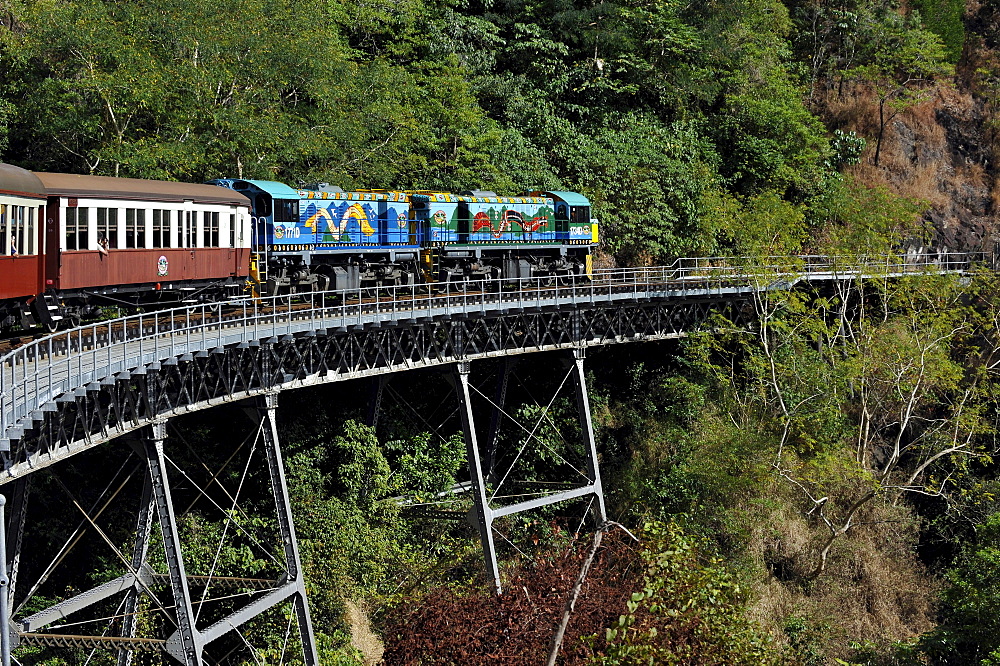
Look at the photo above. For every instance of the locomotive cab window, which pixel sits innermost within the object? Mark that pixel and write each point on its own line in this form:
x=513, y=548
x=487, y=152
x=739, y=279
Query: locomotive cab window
x=286, y=210
x=580, y=215
x=262, y=205
x=562, y=217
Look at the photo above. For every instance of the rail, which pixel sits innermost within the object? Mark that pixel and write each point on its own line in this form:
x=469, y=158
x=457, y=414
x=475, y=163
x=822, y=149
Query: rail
x=60, y=364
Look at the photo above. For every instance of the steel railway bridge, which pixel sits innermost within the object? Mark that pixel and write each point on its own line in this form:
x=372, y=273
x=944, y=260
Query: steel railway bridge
x=73, y=391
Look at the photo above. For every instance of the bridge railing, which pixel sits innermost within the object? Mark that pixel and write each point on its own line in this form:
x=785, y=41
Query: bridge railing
x=68, y=362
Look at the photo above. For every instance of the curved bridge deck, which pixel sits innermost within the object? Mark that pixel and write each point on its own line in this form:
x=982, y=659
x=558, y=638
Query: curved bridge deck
x=73, y=390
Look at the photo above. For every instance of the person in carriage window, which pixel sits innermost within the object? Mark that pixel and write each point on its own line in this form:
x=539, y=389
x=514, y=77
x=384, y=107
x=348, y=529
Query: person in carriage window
x=102, y=243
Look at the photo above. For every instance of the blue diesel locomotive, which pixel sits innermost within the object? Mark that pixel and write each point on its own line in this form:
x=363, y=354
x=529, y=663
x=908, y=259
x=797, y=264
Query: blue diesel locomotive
x=318, y=237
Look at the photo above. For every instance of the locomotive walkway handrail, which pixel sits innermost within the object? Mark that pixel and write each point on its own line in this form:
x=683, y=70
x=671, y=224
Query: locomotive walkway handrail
x=64, y=364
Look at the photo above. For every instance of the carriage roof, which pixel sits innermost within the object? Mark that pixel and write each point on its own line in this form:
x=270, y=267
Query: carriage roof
x=20, y=182
x=135, y=189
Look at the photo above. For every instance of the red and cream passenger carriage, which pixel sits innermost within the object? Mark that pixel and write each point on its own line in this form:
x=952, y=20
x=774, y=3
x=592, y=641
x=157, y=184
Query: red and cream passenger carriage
x=123, y=241
x=22, y=208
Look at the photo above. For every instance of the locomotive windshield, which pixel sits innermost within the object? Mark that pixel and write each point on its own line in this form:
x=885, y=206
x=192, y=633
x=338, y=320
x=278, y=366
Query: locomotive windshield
x=580, y=215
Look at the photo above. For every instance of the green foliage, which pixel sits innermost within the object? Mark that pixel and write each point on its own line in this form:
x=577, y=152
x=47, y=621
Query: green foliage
x=670, y=171
x=970, y=630
x=847, y=148
x=765, y=225
x=805, y=641
x=944, y=18
x=362, y=472
x=899, y=62
x=427, y=465
x=858, y=221
x=256, y=88
x=655, y=109
x=690, y=607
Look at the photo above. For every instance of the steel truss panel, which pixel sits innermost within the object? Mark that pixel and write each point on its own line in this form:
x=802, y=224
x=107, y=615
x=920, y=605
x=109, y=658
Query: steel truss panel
x=186, y=645
x=485, y=512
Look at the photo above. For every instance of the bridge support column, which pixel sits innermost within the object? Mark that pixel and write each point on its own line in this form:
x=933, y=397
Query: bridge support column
x=15, y=533
x=499, y=400
x=267, y=407
x=185, y=645
x=487, y=514
x=375, y=402
x=143, y=530
x=484, y=513
x=587, y=433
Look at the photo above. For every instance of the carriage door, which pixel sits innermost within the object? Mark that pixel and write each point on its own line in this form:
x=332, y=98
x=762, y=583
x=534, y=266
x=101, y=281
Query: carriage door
x=53, y=241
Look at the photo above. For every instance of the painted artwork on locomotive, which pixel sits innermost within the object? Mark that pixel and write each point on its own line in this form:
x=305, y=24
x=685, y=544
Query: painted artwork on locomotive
x=518, y=221
x=336, y=219
x=486, y=220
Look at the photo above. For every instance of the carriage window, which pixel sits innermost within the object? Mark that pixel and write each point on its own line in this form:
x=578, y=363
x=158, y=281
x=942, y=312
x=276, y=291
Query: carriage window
x=190, y=228
x=4, y=245
x=135, y=228
x=107, y=227
x=17, y=230
x=161, y=228
x=211, y=229
x=12, y=248
x=232, y=230
x=130, y=227
x=29, y=231
x=77, y=223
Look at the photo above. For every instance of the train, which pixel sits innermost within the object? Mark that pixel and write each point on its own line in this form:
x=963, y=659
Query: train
x=73, y=245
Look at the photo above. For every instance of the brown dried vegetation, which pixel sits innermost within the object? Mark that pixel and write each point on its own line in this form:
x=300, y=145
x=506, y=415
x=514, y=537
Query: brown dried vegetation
x=476, y=627
x=874, y=588
x=939, y=152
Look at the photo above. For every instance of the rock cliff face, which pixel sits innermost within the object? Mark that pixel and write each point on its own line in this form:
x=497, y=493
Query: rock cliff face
x=941, y=152
x=945, y=150
x=968, y=218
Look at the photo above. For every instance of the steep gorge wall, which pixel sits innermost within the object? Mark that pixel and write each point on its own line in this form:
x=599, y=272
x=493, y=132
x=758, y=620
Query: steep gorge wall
x=944, y=150
x=940, y=151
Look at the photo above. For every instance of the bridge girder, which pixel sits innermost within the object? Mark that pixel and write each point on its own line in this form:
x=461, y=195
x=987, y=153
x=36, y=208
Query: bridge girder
x=101, y=411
